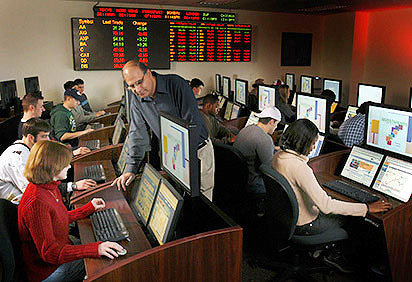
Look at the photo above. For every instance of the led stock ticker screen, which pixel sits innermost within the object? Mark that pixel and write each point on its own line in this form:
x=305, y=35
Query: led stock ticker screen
x=107, y=44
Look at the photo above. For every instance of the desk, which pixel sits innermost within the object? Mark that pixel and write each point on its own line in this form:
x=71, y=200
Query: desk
x=107, y=119
x=209, y=247
x=396, y=223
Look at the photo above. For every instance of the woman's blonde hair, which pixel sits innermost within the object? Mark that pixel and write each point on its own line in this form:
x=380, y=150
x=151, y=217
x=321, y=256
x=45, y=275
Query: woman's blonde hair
x=46, y=160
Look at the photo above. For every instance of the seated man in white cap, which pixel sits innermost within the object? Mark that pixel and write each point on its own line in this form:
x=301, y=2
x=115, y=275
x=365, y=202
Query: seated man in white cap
x=256, y=145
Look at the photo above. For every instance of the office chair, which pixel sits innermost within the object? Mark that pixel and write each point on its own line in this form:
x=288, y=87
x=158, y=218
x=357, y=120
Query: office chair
x=11, y=258
x=281, y=217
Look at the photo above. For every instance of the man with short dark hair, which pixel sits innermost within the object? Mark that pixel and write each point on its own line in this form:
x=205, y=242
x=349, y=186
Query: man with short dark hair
x=84, y=101
x=32, y=104
x=197, y=86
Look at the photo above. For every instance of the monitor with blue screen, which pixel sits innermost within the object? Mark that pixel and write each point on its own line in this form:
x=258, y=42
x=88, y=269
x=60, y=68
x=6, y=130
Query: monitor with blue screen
x=266, y=96
x=318, y=147
x=334, y=85
x=241, y=91
x=315, y=109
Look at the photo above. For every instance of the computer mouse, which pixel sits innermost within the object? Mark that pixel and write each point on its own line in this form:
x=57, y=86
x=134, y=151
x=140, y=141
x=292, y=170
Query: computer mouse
x=122, y=252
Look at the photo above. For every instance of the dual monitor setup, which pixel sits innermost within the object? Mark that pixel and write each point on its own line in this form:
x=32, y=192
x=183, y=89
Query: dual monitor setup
x=235, y=100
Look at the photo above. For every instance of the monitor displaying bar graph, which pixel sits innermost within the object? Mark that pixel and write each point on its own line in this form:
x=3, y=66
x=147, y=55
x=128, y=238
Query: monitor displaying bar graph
x=315, y=109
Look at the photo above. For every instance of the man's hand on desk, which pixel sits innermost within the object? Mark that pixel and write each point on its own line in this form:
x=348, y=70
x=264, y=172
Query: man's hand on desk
x=98, y=203
x=108, y=249
x=100, y=113
x=124, y=180
x=81, y=151
x=85, y=184
x=379, y=206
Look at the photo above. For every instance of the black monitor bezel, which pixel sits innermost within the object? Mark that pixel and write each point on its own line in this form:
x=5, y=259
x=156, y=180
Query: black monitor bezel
x=227, y=103
x=294, y=81
x=194, y=172
x=229, y=87
x=410, y=97
x=246, y=94
x=26, y=79
x=340, y=88
x=373, y=85
x=238, y=113
x=6, y=98
x=220, y=84
x=327, y=121
x=270, y=86
x=312, y=86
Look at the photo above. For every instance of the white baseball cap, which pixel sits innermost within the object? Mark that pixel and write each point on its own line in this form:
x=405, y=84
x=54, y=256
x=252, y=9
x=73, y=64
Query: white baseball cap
x=271, y=112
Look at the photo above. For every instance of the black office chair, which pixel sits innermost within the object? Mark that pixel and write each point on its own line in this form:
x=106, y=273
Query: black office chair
x=10, y=253
x=281, y=218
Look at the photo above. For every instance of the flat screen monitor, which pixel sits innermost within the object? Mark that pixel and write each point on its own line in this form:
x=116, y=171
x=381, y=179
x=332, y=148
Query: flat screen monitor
x=179, y=142
x=362, y=165
x=306, y=84
x=370, y=93
x=266, y=96
x=8, y=92
x=313, y=108
x=228, y=110
x=222, y=101
x=119, y=132
x=226, y=87
x=253, y=119
x=318, y=147
x=394, y=179
x=335, y=85
x=235, y=111
x=389, y=128
x=128, y=96
x=410, y=97
x=144, y=193
x=121, y=162
x=241, y=91
x=350, y=112
x=218, y=83
x=290, y=80
x=31, y=84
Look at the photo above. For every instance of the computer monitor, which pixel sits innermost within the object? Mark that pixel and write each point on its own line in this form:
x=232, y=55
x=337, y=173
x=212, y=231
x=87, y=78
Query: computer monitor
x=371, y=93
x=318, y=147
x=119, y=132
x=290, y=80
x=165, y=213
x=226, y=87
x=266, y=96
x=121, y=162
x=179, y=143
x=253, y=119
x=228, y=110
x=362, y=165
x=31, y=84
x=306, y=84
x=128, y=96
x=315, y=109
x=389, y=128
x=241, y=91
x=394, y=179
x=222, y=101
x=410, y=97
x=143, y=193
x=350, y=112
x=235, y=111
x=335, y=85
x=218, y=83
x=8, y=91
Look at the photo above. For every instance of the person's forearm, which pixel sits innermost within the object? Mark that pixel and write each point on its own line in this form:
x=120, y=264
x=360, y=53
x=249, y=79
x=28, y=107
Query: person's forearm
x=71, y=135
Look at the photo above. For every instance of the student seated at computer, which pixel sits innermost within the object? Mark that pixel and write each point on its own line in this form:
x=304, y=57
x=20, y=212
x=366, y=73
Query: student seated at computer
x=217, y=132
x=288, y=115
x=62, y=119
x=352, y=130
x=32, y=104
x=84, y=101
x=43, y=220
x=332, y=104
x=318, y=212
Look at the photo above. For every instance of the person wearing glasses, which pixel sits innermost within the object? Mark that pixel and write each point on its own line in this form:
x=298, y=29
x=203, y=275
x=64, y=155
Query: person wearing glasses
x=154, y=93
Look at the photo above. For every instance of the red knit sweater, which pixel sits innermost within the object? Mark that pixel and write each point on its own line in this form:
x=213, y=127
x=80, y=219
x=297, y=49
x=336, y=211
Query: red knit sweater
x=44, y=231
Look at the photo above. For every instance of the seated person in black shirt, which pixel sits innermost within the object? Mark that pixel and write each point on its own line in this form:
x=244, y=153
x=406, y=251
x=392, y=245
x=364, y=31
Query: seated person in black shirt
x=32, y=104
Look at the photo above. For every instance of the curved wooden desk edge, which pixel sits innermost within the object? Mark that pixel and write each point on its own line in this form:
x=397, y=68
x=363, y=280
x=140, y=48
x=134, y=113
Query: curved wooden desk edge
x=114, y=103
x=106, y=119
x=110, y=152
x=101, y=133
x=112, y=109
x=328, y=163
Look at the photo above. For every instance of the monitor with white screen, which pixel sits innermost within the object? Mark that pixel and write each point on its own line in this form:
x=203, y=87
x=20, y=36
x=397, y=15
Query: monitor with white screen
x=313, y=108
x=334, y=85
x=306, y=84
x=318, y=147
x=235, y=111
x=218, y=83
x=370, y=93
x=290, y=80
x=394, y=179
x=222, y=101
x=390, y=129
x=165, y=213
x=144, y=193
x=226, y=87
x=179, y=143
x=266, y=96
x=119, y=132
x=241, y=91
x=121, y=162
x=362, y=165
x=350, y=112
x=228, y=110
x=253, y=119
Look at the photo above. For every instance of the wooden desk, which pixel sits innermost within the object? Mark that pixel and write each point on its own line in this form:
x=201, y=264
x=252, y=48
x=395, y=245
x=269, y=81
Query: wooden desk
x=114, y=103
x=239, y=123
x=112, y=109
x=107, y=165
x=210, y=248
x=107, y=119
x=396, y=223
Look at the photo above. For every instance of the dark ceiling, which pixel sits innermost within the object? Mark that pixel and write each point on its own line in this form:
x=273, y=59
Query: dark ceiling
x=314, y=7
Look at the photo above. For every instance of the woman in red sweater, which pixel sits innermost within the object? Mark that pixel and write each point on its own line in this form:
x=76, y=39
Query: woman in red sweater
x=43, y=219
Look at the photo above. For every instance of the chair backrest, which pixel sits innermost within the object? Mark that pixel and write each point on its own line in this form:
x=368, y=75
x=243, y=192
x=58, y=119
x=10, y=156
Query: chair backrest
x=10, y=252
x=281, y=204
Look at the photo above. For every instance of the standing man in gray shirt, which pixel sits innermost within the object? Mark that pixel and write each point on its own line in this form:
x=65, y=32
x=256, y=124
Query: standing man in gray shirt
x=156, y=93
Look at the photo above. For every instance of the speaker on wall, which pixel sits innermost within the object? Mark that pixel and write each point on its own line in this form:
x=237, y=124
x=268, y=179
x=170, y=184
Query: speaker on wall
x=296, y=49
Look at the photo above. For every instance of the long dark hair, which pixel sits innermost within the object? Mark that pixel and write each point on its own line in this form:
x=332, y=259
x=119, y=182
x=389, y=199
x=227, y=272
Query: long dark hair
x=299, y=136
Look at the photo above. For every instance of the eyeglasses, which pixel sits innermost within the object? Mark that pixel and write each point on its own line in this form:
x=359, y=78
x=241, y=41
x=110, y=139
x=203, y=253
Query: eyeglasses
x=138, y=83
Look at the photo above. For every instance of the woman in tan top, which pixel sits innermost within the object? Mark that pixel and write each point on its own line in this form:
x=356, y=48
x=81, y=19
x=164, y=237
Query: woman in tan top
x=317, y=210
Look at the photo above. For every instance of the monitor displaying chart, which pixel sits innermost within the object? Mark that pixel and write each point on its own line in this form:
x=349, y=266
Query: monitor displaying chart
x=314, y=109
x=266, y=96
x=306, y=84
x=394, y=179
x=235, y=111
x=253, y=119
x=226, y=86
x=318, y=147
x=351, y=112
x=334, y=85
x=389, y=129
x=290, y=80
x=241, y=88
x=228, y=110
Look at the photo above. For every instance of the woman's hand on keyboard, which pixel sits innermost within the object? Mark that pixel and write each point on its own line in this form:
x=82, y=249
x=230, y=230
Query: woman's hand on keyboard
x=124, y=180
x=108, y=249
x=98, y=203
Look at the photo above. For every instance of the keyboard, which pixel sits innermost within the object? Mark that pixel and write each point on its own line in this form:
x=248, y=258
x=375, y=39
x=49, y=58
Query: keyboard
x=351, y=191
x=92, y=144
x=108, y=226
x=95, y=172
x=96, y=125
